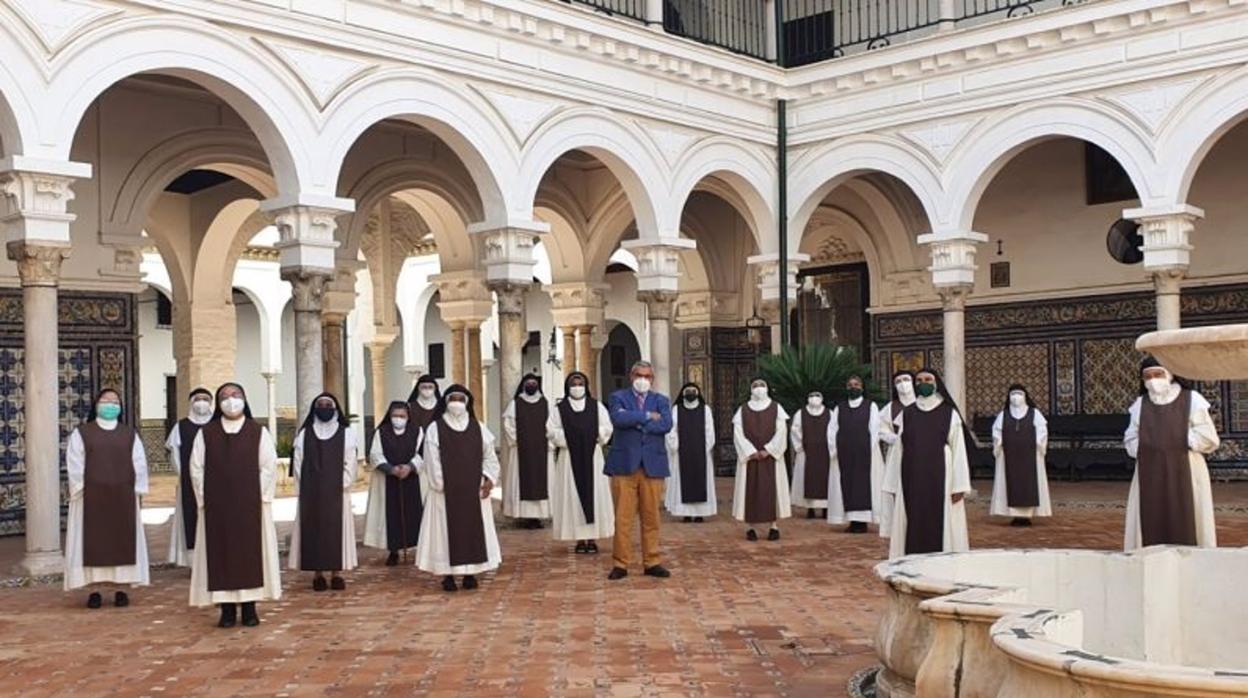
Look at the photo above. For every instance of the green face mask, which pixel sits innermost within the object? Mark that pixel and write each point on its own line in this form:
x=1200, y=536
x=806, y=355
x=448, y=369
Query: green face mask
x=925, y=389
x=854, y=393
x=108, y=410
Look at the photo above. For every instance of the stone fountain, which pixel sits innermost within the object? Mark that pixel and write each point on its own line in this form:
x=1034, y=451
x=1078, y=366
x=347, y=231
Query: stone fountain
x=1163, y=621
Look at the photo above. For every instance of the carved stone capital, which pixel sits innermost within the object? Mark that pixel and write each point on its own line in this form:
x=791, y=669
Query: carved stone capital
x=1167, y=234
x=953, y=257
x=954, y=297
x=659, y=304
x=1169, y=281
x=307, y=288
x=306, y=236
x=509, y=252
x=37, y=265
x=769, y=283
x=658, y=262
x=36, y=201
x=463, y=296
x=510, y=297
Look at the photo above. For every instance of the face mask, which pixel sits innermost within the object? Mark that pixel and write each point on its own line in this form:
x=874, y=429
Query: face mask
x=324, y=414
x=1018, y=399
x=905, y=389
x=814, y=401
x=691, y=396
x=854, y=393
x=641, y=385
x=926, y=389
x=457, y=409
x=759, y=392
x=577, y=392
x=1157, y=386
x=108, y=411
x=201, y=408
x=530, y=389
x=426, y=392
x=232, y=406
x=399, y=423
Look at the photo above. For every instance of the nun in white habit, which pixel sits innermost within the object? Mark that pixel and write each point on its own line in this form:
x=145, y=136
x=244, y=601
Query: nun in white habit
x=579, y=427
x=903, y=397
x=761, y=492
x=691, y=497
x=526, y=491
x=324, y=471
x=854, y=437
x=185, y=513
x=1020, y=441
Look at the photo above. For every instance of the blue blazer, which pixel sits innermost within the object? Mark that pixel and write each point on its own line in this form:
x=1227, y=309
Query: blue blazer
x=638, y=442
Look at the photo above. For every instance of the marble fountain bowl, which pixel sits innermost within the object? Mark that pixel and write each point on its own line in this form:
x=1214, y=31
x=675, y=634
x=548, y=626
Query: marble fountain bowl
x=1163, y=621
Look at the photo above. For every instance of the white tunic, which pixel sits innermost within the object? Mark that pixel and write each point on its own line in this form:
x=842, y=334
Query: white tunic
x=798, y=490
x=1202, y=439
x=272, y=589
x=836, y=500
x=776, y=447
x=375, y=518
x=888, y=436
x=76, y=575
x=569, y=517
x=675, y=507
x=433, y=551
x=1000, y=500
x=957, y=481
x=179, y=554
x=350, y=460
x=513, y=506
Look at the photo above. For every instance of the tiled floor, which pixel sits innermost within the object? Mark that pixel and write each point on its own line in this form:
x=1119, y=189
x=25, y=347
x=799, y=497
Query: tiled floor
x=793, y=617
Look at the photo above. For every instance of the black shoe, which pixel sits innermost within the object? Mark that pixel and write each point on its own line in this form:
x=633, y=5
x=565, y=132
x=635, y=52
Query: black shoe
x=537, y=524
x=337, y=583
x=810, y=513
x=698, y=519
x=121, y=600
x=392, y=559
x=773, y=534
x=250, y=618
x=229, y=616
x=1020, y=521
x=470, y=582
x=448, y=583
x=751, y=535
x=591, y=547
x=657, y=571
x=688, y=519
x=617, y=573
x=857, y=527
x=94, y=600
x=581, y=548
x=319, y=584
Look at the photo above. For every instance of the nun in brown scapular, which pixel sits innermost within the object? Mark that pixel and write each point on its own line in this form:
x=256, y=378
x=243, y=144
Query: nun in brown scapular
x=107, y=470
x=457, y=535
x=185, y=513
x=423, y=401
x=527, y=457
x=326, y=456
x=761, y=491
x=854, y=489
x=1020, y=440
x=812, y=459
x=1169, y=435
x=234, y=473
x=395, y=490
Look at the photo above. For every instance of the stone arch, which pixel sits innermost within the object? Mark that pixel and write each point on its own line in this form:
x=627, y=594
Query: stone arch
x=612, y=222
x=829, y=218
x=19, y=71
x=564, y=244
x=817, y=172
x=1188, y=135
x=621, y=146
x=459, y=118
x=748, y=178
x=991, y=145
x=457, y=251
x=250, y=81
x=227, y=236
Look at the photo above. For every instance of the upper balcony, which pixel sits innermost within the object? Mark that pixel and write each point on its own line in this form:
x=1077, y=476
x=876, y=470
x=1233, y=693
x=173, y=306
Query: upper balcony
x=813, y=30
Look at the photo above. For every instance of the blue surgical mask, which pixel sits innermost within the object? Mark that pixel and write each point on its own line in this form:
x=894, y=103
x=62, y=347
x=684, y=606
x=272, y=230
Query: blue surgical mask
x=109, y=411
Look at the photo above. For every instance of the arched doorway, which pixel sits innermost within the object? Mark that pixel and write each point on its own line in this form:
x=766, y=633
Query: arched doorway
x=621, y=352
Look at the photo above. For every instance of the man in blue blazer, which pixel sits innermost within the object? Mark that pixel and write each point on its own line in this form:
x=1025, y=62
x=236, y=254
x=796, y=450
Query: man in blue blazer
x=638, y=468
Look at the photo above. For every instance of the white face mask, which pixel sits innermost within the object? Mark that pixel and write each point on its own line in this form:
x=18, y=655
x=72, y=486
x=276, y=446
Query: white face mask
x=577, y=392
x=457, y=409
x=399, y=423
x=232, y=406
x=426, y=393
x=905, y=389
x=759, y=392
x=641, y=385
x=1018, y=400
x=201, y=408
x=815, y=401
x=1157, y=386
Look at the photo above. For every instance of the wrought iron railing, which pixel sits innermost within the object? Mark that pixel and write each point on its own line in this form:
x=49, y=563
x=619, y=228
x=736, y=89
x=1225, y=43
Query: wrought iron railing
x=815, y=30
x=631, y=9
x=737, y=25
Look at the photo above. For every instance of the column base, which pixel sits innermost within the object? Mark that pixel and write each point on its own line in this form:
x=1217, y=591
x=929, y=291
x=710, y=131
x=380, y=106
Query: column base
x=41, y=563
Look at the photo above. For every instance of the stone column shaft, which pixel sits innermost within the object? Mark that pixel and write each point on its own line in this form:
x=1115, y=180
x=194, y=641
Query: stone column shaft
x=585, y=355
x=569, y=350
x=270, y=385
x=308, y=288
x=475, y=378
x=953, y=303
x=1168, y=285
x=377, y=366
x=334, y=334
x=458, y=339
x=511, y=335
x=659, y=305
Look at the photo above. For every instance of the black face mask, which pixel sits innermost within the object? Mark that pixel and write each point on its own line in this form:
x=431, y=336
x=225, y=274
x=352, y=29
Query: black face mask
x=530, y=388
x=854, y=393
x=691, y=396
x=325, y=414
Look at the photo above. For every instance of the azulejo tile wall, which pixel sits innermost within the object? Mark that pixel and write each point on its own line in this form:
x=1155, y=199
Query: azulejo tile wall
x=98, y=349
x=1076, y=355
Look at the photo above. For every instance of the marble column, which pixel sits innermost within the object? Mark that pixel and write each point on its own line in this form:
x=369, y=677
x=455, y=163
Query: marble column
x=307, y=287
x=377, y=365
x=458, y=339
x=1168, y=285
x=585, y=355
x=1167, y=250
x=39, y=268
x=569, y=349
x=334, y=333
x=659, y=305
x=511, y=334
x=475, y=379
x=953, y=304
x=270, y=385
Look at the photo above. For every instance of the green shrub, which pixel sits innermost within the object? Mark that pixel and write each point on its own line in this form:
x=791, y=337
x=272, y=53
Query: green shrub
x=285, y=447
x=794, y=373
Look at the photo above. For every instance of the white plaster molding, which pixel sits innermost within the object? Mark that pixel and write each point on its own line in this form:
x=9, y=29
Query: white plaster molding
x=36, y=196
x=768, y=266
x=522, y=114
x=939, y=139
x=1167, y=235
x=1152, y=103
x=953, y=258
x=658, y=263
x=306, y=237
x=322, y=73
x=56, y=22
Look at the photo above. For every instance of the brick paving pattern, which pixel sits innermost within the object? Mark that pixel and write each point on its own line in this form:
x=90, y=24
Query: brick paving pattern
x=787, y=618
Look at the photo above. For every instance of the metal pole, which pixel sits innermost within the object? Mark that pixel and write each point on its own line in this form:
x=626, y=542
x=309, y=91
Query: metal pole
x=782, y=203
x=780, y=57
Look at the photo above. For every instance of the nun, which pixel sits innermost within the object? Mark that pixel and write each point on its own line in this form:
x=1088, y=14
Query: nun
x=812, y=459
x=928, y=474
x=579, y=428
x=185, y=513
x=1169, y=434
x=107, y=472
x=1020, y=439
x=234, y=473
x=690, y=443
x=457, y=535
x=395, y=489
x=423, y=401
x=326, y=455
x=902, y=397
x=761, y=492
x=854, y=493
x=527, y=458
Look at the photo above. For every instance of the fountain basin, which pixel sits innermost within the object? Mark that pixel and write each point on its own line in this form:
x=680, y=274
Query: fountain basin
x=1158, y=622
x=1201, y=353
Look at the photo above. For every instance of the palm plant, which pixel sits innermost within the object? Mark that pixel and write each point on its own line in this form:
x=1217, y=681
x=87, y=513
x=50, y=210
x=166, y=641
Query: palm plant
x=792, y=374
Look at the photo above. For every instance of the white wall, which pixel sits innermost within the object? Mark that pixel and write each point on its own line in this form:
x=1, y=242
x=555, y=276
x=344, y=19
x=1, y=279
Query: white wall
x=155, y=359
